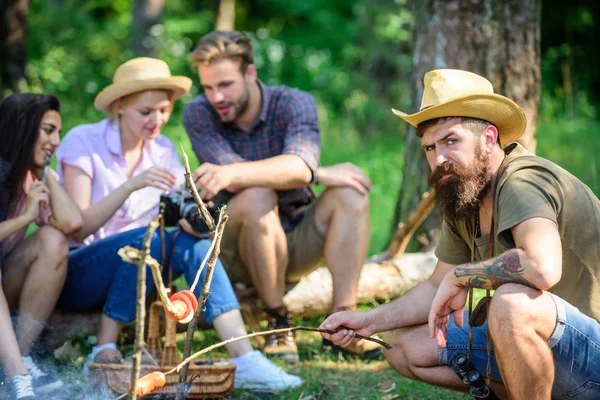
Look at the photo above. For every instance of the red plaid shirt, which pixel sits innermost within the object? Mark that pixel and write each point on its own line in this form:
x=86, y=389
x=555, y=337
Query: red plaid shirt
x=288, y=124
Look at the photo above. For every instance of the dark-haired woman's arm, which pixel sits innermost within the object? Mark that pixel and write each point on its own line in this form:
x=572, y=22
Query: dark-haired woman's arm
x=13, y=225
x=66, y=215
x=38, y=194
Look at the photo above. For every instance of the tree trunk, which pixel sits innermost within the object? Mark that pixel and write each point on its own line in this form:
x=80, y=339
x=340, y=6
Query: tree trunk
x=13, y=45
x=146, y=15
x=498, y=40
x=226, y=17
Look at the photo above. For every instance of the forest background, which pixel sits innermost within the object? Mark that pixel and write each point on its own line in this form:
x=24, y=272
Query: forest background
x=355, y=57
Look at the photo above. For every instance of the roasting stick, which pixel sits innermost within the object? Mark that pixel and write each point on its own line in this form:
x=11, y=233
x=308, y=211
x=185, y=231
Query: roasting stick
x=156, y=380
x=210, y=222
x=141, y=308
x=132, y=255
x=217, y=234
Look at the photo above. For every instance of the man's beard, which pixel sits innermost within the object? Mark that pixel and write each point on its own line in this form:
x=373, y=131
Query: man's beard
x=459, y=196
x=240, y=106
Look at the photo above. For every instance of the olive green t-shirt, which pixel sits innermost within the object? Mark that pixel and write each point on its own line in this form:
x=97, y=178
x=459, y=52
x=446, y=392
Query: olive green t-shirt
x=529, y=186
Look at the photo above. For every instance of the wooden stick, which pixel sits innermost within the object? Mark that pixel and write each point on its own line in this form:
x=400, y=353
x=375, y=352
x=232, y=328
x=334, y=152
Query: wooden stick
x=210, y=222
x=216, y=234
x=186, y=362
x=132, y=255
x=407, y=229
x=202, y=300
x=206, y=257
x=141, y=307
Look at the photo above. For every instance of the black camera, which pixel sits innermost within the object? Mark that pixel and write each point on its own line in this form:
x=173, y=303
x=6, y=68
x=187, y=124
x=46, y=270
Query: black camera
x=467, y=372
x=181, y=204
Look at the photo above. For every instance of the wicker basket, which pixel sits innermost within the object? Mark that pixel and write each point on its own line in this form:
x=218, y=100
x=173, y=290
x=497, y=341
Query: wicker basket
x=207, y=378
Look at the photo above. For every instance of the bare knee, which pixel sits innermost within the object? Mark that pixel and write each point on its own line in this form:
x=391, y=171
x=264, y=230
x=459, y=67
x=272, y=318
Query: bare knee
x=53, y=247
x=522, y=310
x=348, y=200
x=251, y=205
x=511, y=308
x=398, y=356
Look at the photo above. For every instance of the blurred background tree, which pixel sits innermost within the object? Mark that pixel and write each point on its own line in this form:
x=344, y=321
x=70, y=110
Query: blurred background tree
x=13, y=45
x=146, y=17
x=355, y=57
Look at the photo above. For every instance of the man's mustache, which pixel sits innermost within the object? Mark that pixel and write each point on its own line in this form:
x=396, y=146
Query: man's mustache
x=436, y=174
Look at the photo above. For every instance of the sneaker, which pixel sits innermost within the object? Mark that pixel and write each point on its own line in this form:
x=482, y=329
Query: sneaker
x=280, y=345
x=363, y=349
x=21, y=388
x=260, y=374
x=105, y=356
x=42, y=382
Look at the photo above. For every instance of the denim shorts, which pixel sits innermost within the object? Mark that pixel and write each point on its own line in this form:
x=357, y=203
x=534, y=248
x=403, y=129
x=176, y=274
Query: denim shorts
x=575, y=345
x=97, y=277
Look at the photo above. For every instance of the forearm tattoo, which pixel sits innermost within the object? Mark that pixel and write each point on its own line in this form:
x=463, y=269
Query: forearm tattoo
x=489, y=274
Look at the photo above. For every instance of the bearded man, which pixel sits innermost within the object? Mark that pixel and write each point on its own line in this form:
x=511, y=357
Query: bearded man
x=513, y=222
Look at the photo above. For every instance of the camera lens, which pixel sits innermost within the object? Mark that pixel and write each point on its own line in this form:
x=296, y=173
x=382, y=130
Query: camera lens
x=460, y=359
x=474, y=378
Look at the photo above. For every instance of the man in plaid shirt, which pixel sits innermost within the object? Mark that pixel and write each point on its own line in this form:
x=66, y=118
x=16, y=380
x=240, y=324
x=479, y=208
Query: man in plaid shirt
x=262, y=143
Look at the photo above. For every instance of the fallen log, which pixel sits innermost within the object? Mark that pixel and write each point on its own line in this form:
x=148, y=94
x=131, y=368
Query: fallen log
x=378, y=282
x=310, y=297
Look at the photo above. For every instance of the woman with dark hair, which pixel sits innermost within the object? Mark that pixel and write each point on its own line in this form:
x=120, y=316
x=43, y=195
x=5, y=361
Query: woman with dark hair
x=32, y=268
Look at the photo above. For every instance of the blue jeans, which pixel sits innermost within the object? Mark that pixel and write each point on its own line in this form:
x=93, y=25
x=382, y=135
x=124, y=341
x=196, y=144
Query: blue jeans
x=575, y=345
x=98, y=277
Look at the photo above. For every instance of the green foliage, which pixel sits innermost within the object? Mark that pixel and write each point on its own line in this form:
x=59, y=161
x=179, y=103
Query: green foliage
x=573, y=144
x=354, y=57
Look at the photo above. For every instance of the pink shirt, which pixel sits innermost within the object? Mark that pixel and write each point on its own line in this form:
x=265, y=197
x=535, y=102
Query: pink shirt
x=43, y=219
x=96, y=150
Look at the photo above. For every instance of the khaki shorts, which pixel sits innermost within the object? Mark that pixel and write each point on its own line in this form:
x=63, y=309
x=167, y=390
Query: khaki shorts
x=305, y=251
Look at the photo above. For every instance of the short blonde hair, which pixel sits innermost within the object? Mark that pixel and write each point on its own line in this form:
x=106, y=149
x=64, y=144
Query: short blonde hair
x=223, y=45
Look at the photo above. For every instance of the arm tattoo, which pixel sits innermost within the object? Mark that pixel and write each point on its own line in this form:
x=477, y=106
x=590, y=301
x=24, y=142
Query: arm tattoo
x=489, y=274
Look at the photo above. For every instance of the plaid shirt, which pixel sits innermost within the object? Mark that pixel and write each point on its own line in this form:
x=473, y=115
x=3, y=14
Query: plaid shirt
x=287, y=124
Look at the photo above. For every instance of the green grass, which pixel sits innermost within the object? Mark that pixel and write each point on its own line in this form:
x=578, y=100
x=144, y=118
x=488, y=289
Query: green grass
x=325, y=375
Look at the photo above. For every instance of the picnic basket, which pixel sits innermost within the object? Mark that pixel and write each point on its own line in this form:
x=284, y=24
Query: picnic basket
x=206, y=378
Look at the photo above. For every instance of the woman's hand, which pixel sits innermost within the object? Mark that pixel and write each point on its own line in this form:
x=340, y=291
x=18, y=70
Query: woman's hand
x=38, y=194
x=157, y=177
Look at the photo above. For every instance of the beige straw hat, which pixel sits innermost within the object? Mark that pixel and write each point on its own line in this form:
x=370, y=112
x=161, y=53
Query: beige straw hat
x=456, y=93
x=141, y=74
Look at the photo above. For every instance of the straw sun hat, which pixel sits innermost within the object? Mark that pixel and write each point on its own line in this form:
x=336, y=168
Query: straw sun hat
x=456, y=93
x=141, y=74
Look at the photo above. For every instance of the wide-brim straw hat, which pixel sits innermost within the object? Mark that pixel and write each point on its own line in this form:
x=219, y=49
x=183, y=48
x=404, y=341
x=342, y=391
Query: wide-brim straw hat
x=456, y=93
x=140, y=74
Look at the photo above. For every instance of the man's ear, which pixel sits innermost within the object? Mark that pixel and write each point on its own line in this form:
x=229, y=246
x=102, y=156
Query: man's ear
x=490, y=136
x=251, y=74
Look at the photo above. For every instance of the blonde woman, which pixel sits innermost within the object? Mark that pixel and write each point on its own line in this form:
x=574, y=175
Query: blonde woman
x=116, y=170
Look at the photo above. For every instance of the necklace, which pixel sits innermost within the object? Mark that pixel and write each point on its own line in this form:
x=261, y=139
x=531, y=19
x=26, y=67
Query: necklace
x=477, y=227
